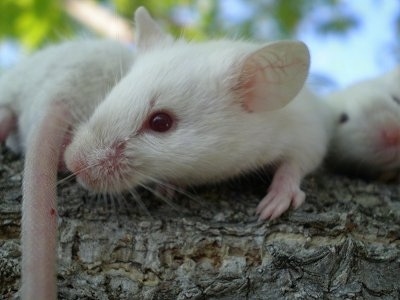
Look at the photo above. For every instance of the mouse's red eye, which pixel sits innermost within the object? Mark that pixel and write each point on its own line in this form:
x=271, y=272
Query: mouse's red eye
x=160, y=122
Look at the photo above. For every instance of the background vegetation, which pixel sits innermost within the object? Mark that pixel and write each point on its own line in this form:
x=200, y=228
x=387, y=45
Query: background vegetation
x=34, y=23
x=37, y=22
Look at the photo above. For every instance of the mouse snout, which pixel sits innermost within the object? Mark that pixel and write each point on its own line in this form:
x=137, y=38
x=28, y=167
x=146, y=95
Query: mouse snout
x=114, y=155
x=100, y=170
x=390, y=136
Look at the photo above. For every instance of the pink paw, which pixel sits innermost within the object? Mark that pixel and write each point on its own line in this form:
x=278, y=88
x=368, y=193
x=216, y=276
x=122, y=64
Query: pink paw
x=278, y=200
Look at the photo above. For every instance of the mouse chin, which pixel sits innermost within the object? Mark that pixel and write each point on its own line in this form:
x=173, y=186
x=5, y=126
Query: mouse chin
x=386, y=144
x=102, y=186
x=388, y=160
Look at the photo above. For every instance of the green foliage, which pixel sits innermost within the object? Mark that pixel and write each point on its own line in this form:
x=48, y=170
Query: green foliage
x=36, y=22
x=33, y=22
x=338, y=25
x=288, y=14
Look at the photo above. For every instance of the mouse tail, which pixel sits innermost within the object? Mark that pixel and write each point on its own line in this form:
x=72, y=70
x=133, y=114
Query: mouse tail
x=39, y=207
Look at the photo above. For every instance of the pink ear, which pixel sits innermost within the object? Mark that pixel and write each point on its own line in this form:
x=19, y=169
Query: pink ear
x=273, y=75
x=148, y=33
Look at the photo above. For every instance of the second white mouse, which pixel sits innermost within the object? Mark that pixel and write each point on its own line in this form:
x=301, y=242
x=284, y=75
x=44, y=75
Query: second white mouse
x=366, y=139
x=41, y=100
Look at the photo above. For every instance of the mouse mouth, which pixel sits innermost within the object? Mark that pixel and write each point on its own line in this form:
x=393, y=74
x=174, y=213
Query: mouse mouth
x=106, y=178
x=387, y=146
x=392, y=161
x=387, y=158
x=101, y=185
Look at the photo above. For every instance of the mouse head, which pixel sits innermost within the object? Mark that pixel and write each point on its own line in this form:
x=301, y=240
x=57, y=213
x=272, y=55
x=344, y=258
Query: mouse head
x=185, y=111
x=368, y=123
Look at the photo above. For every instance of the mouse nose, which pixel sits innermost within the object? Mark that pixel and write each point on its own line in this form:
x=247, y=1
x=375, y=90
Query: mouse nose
x=391, y=136
x=100, y=170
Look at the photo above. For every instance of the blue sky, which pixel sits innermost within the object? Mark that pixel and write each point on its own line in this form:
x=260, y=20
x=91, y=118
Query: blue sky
x=9, y=54
x=362, y=53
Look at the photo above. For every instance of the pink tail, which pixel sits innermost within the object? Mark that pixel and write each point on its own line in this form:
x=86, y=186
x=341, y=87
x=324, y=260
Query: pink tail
x=39, y=207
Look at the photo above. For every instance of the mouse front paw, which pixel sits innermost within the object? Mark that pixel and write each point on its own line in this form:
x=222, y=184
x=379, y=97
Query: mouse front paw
x=277, y=201
x=284, y=192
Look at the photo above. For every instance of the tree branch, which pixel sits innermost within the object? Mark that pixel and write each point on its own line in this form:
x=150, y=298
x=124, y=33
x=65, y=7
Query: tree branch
x=100, y=19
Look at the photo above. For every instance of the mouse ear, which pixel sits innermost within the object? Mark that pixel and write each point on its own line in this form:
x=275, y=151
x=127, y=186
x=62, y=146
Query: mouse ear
x=148, y=33
x=273, y=75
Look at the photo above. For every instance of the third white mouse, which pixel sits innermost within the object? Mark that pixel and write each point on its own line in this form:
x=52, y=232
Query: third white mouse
x=366, y=139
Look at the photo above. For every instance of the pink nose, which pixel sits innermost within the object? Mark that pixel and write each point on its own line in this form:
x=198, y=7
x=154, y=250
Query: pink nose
x=99, y=172
x=391, y=136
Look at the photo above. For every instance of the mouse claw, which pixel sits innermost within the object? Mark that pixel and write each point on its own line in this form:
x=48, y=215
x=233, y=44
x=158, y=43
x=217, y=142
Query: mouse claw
x=277, y=202
x=283, y=193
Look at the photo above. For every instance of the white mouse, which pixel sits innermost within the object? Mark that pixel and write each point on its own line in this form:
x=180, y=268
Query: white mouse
x=366, y=139
x=189, y=113
x=42, y=99
x=185, y=114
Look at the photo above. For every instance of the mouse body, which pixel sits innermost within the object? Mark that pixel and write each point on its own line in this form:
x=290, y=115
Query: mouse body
x=183, y=113
x=366, y=136
x=42, y=99
x=190, y=113
x=77, y=73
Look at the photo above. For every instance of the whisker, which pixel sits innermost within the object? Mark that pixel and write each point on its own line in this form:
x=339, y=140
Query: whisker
x=87, y=167
x=174, y=188
x=65, y=179
x=140, y=203
x=162, y=197
x=100, y=204
x=104, y=200
x=123, y=203
x=114, y=207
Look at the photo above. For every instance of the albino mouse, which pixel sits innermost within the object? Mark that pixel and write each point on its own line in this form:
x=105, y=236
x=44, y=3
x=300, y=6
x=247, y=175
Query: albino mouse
x=366, y=139
x=184, y=114
x=41, y=101
x=190, y=113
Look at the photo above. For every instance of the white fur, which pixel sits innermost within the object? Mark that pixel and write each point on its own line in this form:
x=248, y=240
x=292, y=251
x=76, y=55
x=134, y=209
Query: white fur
x=232, y=102
x=370, y=107
x=56, y=88
x=215, y=136
x=79, y=73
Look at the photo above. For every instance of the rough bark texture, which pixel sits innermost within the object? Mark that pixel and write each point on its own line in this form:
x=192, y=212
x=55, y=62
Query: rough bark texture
x=343, y=243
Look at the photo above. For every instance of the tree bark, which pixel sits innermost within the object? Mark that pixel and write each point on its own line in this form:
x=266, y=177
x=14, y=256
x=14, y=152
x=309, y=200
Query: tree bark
x=343, y=243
